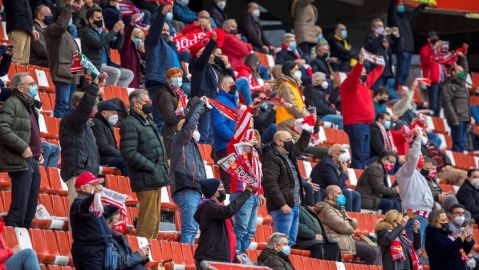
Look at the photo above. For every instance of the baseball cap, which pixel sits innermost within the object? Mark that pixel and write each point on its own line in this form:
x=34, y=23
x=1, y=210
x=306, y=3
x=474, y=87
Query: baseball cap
x=87, y=178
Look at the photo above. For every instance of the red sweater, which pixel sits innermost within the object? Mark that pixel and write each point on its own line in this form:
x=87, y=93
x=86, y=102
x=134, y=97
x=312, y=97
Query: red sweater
x=235, y=49
x=430, y=68
x=356, y=98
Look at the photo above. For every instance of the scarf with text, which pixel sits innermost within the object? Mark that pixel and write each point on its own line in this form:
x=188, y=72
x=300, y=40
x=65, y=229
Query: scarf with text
x=397, y=252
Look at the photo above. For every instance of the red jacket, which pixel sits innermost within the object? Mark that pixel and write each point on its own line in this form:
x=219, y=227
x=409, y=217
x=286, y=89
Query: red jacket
x=430, y=68
x=5, y=252
x=245, y=71
x=356, y=98
x=235, y=49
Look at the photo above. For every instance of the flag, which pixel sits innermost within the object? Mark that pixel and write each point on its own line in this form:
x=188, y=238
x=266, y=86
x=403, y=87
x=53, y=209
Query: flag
x=127, y=9
x=241, y=128
x=375, y=59
x=233, y=166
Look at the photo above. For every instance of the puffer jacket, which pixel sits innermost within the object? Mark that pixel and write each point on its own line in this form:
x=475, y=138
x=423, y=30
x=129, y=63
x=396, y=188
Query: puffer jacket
x=455, y=98
x=127, y=259
x=142, y=148
x=15, y=131
x=338, y=226
x=305, y=17
x=275, y=260
x=79, y=150
x=223, y=127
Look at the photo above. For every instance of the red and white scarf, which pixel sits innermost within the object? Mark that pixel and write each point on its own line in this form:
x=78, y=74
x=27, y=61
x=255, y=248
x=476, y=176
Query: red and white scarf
x=181, y=98
x=387, y=138
x=397, y=253
x=108, y=197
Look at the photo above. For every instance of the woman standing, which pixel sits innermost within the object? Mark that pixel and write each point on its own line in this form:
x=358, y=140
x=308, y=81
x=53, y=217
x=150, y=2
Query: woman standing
x=397, y=251
x=445, y=251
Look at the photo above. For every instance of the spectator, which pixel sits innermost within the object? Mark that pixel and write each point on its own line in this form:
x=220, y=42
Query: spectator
x=456, y=104
x=11, y=259
x=396, y=249
x=416, y=196
x=5, y=62
x=124, y=110
x=468, y=193
x=457, y=218
x=333, y=170
x=305, y=16
x=21, y=149
x=265, y=119
x=345, y=53
x=430, y=174
x=217, y=242
x=374, y=185
x=79, y=18
x=160, y=56
x=88, y=248
x=445, y=252
x=103, y=123
x=38, y=48
x=290, y=52
x=60, y=48
x=233, y=47
x=288, y=89
x=403, y=108
x=380, y=97
x=201, y=24
x=381, y=138
x=133, y=53
x=282, y=183
x=20, y=28
x=51, y=153
x=187, y=169
x=404, y=43
x=432, y=70
x=111, y=14
x=223, y=127
x=250, y=70
x=96, y=44
x=276, y=253
x=171, y=97
x=322, y=61
x=316, y=94
x=358, y=111
x=142, y=148
x=340, y=227
x=79, y=151
x=218, y=13
x=312, y=237
x=250, y=27
x=182, y=12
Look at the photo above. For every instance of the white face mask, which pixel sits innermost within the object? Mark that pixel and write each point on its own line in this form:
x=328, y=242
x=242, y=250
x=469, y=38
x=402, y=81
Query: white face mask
x=256, y=13
x=113, y=120
x=424, y=140
x=459, y=220
x=344, y=157
x=325, y=85
x=221, y=4
x=475, y=182
x=297, y=75
x=183, y=2
x=117, y=6
x=196, y=135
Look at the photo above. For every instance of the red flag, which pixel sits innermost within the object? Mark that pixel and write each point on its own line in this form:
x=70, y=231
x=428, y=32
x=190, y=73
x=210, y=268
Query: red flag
x=76, y=65
x=229, y=113
x=189, y=40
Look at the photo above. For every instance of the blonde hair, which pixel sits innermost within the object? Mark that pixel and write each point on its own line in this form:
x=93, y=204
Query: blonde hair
x=136, y=31
x=390, y=220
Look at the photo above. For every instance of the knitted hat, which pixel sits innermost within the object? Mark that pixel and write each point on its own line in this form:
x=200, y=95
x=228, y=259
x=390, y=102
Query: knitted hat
x=209, y=187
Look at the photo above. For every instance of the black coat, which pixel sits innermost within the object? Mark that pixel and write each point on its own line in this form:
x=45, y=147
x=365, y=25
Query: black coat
x=344, y=56
x=374, y=45
x=319, y=64
x=468, y=196
x=5, y=63
x=326, y=173
x=168, y=100
x=111, y=16
x=18, y=15
x=79, y=150
x=93, y=44
x=219, y=16
x=204, y=81
x=142, y=148
x=315, y=96
x=275, y=260
x=377, y=140
x=405, y=42
x=286, y=55
x=105, y=139
x=264, y=118
x=251, y=28
x=127, y=259
x=443, y=252
x=214, y=242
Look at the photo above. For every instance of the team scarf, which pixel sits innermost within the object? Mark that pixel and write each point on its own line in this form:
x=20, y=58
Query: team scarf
x=82, y=64
x=226, y=111
x=191, y=39
x=241, y=129
x=181, y=98
x=397, y=253
x=307, y=120
x=108, y=197
x=128, y=9
x=161, y=2
x=387, y=138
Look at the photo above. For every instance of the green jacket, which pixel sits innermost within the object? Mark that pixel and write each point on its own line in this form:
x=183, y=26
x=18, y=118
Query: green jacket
x=142, y=148
x=15, y=125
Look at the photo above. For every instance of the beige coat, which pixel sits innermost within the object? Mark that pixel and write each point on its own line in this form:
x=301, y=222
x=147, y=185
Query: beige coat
x=305, y=17
x=338, y=225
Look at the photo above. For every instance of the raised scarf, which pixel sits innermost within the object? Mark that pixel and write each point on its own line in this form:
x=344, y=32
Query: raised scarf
x=397, y=253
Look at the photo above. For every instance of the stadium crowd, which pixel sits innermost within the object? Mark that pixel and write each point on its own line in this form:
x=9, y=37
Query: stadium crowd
x=200, y=79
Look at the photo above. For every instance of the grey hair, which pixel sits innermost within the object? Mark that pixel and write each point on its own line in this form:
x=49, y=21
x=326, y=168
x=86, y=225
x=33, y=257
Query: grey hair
x=319, y=76
x=17, y=79
x=136, y=95
x=275, y=238
x=227, y=22
x=286, y=36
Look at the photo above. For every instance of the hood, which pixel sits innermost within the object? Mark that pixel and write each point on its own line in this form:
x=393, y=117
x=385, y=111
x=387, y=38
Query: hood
x=199, y=210
x=283, y=78
x=383, y=226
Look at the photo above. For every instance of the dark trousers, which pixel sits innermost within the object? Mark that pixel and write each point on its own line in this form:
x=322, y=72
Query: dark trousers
x=326, y=251
x=119, y=163
x=225, y=177
x=435, y=98
x=25, y=189
x=388, y=204
x=459, y=136
x=403, y=66
x=153, y=91
x=369, y=254
x=205, y=128
x=88, y=261
x=359, y=139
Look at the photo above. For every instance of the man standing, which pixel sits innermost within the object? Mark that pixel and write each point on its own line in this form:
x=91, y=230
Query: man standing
x=432, y=70
x=282, y=183
x=142, y=148
x=250, y=27
x=38, y=48
x=342, y=50
x=468, y=194
x=21, y=149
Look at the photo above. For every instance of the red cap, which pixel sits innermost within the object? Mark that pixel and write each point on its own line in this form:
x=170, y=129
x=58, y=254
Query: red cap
x=87, y=178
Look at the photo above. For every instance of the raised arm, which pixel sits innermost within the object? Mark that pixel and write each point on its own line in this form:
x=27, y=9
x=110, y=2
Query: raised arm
x=80, y=115
x=191, y=121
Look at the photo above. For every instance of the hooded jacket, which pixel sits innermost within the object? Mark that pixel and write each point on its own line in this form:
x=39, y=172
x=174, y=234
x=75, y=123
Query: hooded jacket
x=105, y=139
x=275, y=260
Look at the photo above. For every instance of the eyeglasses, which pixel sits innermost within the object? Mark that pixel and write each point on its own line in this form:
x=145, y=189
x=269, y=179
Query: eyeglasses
x=30, y=84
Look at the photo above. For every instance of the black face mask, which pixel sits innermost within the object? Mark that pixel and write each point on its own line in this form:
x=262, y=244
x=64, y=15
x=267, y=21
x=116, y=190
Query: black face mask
x=445, y=226
x=218, y=61
x=425, y=173
x=288, y=146
x=98, y=23
x=381, y=101
x=48, y=20
x=165, y=37
x=234, y=31
x=146, y=109
x=222, y=196
x=232, y=90
x=363, y=78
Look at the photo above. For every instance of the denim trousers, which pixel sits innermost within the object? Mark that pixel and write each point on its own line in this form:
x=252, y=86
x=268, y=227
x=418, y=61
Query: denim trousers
x=287, y=223
x=24, y=259
x=410, y=228
x=51, y=153
x=459, y=136
x=403, y=66
x=388, y=204
x=63, y=97
x=333, y=118
x=245, y=221
x=243, y=88
x=205, y=128
x=359, y=139
x=187, y=200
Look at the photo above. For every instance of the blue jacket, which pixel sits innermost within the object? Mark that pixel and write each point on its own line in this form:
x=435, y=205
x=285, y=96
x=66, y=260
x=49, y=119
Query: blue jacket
x=204, y=80
x=184, y=14
x=159, y=55
x=223, y=128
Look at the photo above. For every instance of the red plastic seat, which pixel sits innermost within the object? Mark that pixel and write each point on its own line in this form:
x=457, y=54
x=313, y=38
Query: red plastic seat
x=5, y=182
x=55, y=181
x=63, y=243
x=39, y=245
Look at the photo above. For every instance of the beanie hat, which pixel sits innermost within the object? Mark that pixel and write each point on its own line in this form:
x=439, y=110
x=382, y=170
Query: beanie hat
x=209, y=187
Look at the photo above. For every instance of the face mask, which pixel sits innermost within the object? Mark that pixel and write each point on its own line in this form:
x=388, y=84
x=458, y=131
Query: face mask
x=169, y=16
x=183, y=2
x=363, y=78
x=256, y=13
x=137, y=42
x=98, y=23
x=389, y=167
x=459, y=220
x=196, y=135
x=379, y=30
x=445, y=226
x=146, y=108
x=120, y=227
x=434, y=40
x=221, y=5
x=264, y=105
x=286, y=250
x=70, y=22
x=420, y=162
x=222, y=196
x=297, y=75
x=401, y=9
x=387, y=124
x=177, y=81
x=475, y=182
x=292, y=45
x=113, y=120
x=461, y=75
x=33, y=91
x=325, y=85
x=424, y=140
x=234, y=31
x=48, y=20
x=344, y=33
x=288, y=146
x=381, y=101
x=341, y=200
x=232, y=90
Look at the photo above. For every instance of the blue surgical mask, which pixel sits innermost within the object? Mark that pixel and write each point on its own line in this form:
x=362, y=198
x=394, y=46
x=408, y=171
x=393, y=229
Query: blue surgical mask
x=169, y=16
x=292, y=45
x=33, y=91
x=137, y=42
x=341, y=200
x=264, y=105
x=401, y=8
x=70, y=22
x=286, y=250
x=379, y=30
x=177, y=81
x=387, y=124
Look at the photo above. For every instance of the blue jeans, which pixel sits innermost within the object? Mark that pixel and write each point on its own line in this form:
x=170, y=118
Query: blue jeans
x=333, y=118
x=435, y=98
x=245, y=221
x=475, y=113
x=51, y=153
x=268, y=134
x=403, y=66
x=459, y=136
x=157, y=117
x=359, y=139
x=410, y=228
x=63, y=97
x=388, y=204
x=186, y=87
x=287, y=224
x=205, y=128
x=187, y=200
x=25, y=259
x=242, y=87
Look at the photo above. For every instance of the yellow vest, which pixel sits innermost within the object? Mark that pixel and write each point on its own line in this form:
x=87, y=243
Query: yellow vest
x=282, y=113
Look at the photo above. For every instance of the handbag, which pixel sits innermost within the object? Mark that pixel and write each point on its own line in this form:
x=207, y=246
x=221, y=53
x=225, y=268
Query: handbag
x=111, y=255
